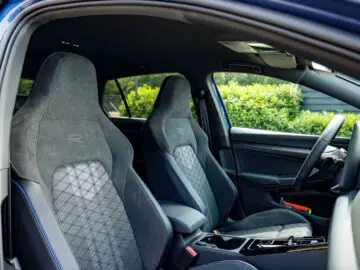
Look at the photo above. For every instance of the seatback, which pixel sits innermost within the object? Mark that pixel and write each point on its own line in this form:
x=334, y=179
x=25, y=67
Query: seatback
x=180, y=165
x=78, y=202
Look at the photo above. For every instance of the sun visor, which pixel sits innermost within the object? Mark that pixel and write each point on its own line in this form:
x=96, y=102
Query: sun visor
x=271, y=56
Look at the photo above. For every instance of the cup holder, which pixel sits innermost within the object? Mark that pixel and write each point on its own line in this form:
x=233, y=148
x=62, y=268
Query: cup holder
x=221, y=242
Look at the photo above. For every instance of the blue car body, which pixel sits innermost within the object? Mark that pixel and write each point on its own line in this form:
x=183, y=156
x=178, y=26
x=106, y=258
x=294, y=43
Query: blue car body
x=342, y=14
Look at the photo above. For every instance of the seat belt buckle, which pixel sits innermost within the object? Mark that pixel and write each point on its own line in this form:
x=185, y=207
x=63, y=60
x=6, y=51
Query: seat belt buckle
x=216, y=232
x=187, y=258
x=297, y=207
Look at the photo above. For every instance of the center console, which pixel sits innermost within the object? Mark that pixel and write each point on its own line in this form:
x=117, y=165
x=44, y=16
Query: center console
x=267, y=254
x=252, y=247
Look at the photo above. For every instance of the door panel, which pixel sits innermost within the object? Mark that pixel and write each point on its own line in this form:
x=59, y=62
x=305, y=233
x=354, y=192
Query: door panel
x=267, y=163
x=270, y=153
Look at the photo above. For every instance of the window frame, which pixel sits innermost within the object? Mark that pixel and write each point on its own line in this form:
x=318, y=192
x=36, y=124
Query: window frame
x=122, y=94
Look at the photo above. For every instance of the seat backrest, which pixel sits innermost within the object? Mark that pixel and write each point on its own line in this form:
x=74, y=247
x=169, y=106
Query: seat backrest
x=180, y=165
x=80, y=203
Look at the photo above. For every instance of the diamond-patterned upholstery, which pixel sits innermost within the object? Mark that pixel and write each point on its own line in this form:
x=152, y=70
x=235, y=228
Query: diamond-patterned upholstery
x=93, y=218
x=181, y=168
x=186, y=158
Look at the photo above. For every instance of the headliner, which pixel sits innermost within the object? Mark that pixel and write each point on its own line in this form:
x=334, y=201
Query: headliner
x=123, y=46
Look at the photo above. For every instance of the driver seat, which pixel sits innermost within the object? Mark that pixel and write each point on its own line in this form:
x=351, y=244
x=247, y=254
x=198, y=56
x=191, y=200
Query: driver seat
x=181, y=168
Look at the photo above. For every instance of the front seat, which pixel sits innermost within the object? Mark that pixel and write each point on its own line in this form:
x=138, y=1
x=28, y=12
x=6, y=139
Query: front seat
x=77, y=202
x=181, y=168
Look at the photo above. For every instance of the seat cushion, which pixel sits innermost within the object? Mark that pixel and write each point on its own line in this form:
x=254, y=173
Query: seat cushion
x=225, y=265
x=271, y=224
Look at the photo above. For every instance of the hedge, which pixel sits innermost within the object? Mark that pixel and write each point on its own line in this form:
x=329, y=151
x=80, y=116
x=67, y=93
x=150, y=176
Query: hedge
x=141, y=103
x=277, y=108
x=271, y=107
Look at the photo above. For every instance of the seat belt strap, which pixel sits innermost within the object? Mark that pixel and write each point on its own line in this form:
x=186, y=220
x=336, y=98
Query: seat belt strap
x=204, y=118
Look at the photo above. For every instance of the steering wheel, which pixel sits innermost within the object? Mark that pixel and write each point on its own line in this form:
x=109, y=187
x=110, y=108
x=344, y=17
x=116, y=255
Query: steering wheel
x=349, y=176
x=319, y=147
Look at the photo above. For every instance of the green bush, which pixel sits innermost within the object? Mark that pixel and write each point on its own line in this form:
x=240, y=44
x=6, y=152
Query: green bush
x=314, y=123
x=223, y=78
x=259, y=106
x=277, y=108
x=263, y=106
x=141, y=102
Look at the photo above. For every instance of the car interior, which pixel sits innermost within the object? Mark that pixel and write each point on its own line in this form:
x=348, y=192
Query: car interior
x=180, y=188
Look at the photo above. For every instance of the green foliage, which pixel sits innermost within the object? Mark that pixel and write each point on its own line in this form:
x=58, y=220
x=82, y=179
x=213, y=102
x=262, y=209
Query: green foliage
x=129, y=84
x=251, y=101
x=314, y=123
x=223, y=78
x=25, y=87
x=142, y=102
x=277, y=108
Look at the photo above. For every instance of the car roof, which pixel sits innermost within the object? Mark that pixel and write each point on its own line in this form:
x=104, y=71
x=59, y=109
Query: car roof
x=122, y=46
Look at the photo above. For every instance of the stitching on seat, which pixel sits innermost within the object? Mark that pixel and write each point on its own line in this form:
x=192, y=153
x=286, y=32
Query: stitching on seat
x=39, y=225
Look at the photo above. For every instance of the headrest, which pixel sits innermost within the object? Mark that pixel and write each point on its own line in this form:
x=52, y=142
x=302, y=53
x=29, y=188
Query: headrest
x=65, y=88
x=174, y=97
x=59, y=121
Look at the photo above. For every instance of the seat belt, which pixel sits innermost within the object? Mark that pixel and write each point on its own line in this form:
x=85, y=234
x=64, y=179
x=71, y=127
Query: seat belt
x=204, y=118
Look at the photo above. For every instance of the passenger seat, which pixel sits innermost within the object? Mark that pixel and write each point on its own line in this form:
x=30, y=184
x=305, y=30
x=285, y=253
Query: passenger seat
x=182, y=169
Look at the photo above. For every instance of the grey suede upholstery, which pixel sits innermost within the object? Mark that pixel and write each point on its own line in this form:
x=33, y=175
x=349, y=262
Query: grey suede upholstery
x=275, y=223
x=182, y=169
x=178, y=158
x=94, y=211
x=184, y=219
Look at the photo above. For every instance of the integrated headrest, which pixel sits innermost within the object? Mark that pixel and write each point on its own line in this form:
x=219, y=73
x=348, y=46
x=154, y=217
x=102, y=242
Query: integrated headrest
x=67, y=85
x=58, y=123
x=174, y=97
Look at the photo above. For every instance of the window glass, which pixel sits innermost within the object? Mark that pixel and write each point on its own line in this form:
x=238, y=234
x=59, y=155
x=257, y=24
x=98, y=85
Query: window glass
x=112, y=101
x=140, y=93
x=25, y=87
x=256, y=101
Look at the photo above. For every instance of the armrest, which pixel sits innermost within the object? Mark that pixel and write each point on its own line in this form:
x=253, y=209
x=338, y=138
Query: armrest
x=183, y=218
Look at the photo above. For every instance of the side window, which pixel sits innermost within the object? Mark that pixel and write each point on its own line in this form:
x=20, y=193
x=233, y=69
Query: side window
x=112, y=102
x=140, y=93
x=256, y=101
x=25, y=87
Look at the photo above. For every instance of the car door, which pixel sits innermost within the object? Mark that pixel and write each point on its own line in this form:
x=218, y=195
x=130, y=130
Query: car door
x=274, y=125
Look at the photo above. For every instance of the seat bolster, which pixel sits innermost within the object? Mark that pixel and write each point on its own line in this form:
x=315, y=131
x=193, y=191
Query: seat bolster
x=37, y=229
x=151, y=227
x=168, y=182
x=226, y=265
x=224, y=190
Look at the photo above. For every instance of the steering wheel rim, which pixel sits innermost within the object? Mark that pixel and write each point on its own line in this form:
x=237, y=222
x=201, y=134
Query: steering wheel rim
x=319, y=147
x=349, y=177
